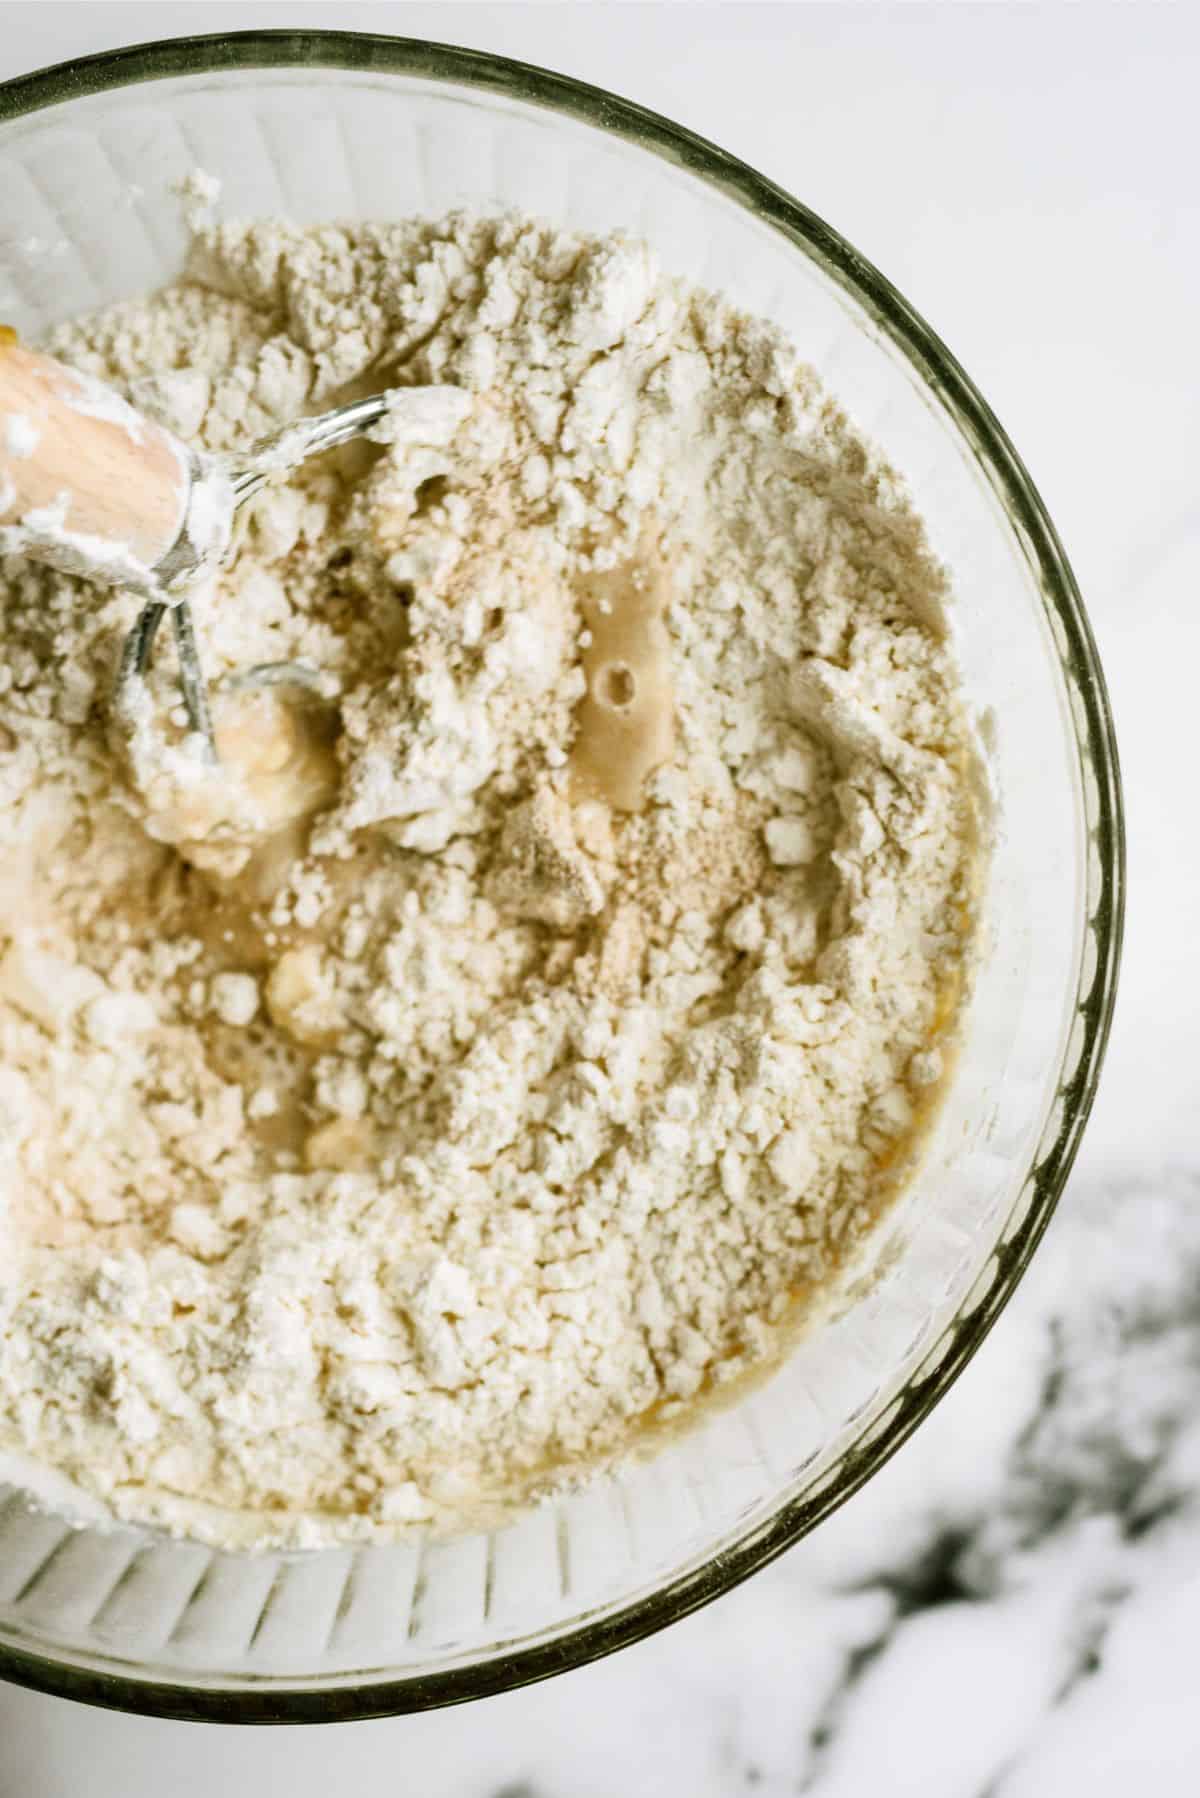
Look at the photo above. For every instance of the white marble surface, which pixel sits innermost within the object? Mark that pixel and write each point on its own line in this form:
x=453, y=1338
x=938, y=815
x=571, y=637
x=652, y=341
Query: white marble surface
x=1010, y=1609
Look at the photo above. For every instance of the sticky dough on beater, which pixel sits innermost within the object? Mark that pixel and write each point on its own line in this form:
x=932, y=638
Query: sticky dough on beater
x=276, y=768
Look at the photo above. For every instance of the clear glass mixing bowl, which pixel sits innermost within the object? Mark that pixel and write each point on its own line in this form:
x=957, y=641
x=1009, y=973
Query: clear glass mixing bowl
x=324, y=125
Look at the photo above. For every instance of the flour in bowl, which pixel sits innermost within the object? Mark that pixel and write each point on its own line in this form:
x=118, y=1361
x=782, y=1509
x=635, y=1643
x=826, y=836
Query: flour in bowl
x=571, y=1004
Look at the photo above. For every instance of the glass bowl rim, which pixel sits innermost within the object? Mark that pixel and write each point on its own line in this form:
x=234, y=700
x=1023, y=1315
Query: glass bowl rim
x=271, y=1701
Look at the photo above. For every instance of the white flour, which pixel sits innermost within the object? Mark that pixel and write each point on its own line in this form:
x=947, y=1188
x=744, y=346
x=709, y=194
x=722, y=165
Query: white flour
x=391, y=1170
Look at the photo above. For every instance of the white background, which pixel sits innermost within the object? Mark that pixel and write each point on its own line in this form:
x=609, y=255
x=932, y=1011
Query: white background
x=1027, y=174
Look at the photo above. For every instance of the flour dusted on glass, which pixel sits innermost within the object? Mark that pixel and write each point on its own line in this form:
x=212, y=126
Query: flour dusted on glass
x=388, y=1167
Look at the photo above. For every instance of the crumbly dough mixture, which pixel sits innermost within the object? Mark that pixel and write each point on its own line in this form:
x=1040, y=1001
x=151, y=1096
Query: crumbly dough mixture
x=559, y=996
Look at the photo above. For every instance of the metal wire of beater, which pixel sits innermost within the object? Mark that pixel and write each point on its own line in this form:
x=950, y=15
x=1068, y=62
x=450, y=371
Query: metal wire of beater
x=269, y=459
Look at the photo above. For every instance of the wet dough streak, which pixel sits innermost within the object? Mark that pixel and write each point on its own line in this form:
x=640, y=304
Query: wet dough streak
x=626, y=721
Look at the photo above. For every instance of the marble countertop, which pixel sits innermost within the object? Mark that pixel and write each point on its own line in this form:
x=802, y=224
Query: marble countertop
x=1009, y=1610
